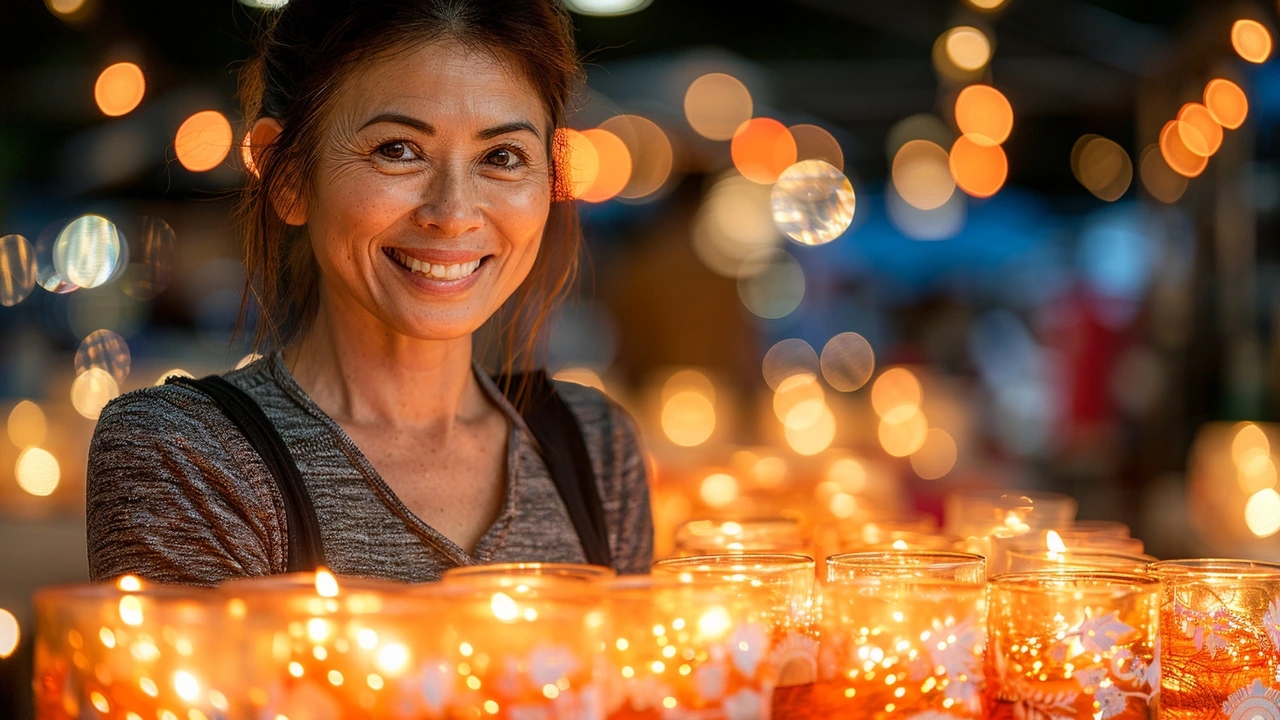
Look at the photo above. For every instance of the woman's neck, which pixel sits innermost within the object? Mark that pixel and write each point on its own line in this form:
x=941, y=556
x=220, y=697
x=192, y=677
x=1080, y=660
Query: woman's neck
x=361, y=372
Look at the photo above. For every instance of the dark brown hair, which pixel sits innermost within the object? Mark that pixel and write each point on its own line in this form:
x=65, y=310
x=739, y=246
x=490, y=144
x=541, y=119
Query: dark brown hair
x=306, y=53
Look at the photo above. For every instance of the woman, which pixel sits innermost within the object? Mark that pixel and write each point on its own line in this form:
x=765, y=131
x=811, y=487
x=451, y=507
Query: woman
x=406, y=188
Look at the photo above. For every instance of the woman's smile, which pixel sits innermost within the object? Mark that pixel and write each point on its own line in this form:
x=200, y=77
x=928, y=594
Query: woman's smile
x=439, y=271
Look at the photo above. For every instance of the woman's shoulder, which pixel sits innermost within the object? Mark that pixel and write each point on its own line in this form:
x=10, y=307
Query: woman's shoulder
x=597, y=413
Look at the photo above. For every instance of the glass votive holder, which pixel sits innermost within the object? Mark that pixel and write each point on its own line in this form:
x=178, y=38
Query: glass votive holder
x=679, y=648
x=1073, y=646
x=902, y=636
x=522, y=646
x=780, y=589
x=1220, y=639
x=980, y=517
x=132, y=649
x=560, y=571
x=340, y=648
x=747, y=535
x=1041, y=560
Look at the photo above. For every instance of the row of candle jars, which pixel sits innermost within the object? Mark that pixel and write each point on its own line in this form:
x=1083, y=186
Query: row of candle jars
x=914, y=634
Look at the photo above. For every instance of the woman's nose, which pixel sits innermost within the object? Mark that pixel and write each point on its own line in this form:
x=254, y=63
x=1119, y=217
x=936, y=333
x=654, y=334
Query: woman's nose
x=449, y=205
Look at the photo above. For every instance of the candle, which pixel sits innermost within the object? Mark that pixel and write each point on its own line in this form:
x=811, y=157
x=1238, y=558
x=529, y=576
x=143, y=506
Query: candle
x=902, y=636
x=320, y=646
x=785, y=607
x=522, y=646
x=978, y=516
x=752, y=535
x=1039, y=560
x=678, y=647
x=1072, y=646
x=132, y=650
x=1220, y=639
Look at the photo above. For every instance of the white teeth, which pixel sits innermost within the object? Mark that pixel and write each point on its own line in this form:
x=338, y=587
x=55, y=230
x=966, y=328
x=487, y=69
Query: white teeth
x=438, y=272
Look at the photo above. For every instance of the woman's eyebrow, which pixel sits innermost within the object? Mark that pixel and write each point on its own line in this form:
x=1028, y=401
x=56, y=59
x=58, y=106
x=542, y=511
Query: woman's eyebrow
x=421, y=126
x=511, y=127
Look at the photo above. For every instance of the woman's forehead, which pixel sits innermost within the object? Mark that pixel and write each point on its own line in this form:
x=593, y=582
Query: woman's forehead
x=444, y=83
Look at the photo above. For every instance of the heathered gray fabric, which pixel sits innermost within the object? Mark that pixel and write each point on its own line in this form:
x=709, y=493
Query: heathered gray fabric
x=177, y=494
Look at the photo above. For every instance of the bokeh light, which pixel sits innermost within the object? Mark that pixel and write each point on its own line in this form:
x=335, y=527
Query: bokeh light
x=8, y=633
x=689, y=380
x=1252, y=40
x=968, y=48
x=1262, y=513
x=106, y=350
x=812, y=202
x=984, y=114
x=581, y=159
x=978, y=169
x=936, y=456
x=986, y=4
x=203, y=141
x=1226, y=102
x=1256, y=473
x=688, y=418
x=799, y=401
x=1249, y=440
x=786, y=358
x=814, y=143
x=1176, y=153
x=1160, y=181
x=176, y=372
x=87, y=251
x=761, y=149
x=847, y=361
x=27, y=425
x=17, y=269
x=718, y=490
x=847, y=473
x=92, y=390
x=47, y=274
x=651, y=154
x=734, y=223
x=903, y=431
x=815, y=437
x=37, y=471
x=607, y=7
x=150, y=267
x=581, y=376
x=716, y=105
x=119, y=89
x=614, y=162
x=1199, y=131
x=921, y=126
x=937, y=224
x=771, y=285
x=921, y=175
x=66, y=9
x=896, y=388
x=1102, y=167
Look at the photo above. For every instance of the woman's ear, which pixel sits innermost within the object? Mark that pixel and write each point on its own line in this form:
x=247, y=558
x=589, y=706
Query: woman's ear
x=292, y=208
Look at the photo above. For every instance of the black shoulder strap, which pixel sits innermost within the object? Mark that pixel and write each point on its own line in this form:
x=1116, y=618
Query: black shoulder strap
x=565, y=452
x=306, y=552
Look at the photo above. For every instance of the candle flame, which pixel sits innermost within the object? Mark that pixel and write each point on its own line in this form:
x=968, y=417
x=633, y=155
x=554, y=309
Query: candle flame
x=129, y=583
x=714, y=623
x=899, y=544
x=326, y=583
x=504, y=608
x=731, y=528
x=1054, y=541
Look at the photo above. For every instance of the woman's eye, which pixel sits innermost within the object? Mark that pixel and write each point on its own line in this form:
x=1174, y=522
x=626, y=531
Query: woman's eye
x=503, y=158
x=397, y=151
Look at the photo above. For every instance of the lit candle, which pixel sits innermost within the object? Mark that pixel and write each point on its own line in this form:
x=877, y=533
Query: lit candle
x=684, y=647
x=979, y=516
x=561, y=571
x=1072, y=646
x=752, y=535
x=902, y=636
x=131, y=649
x=1040, y=560
x=781, y=591
x=1220, y=639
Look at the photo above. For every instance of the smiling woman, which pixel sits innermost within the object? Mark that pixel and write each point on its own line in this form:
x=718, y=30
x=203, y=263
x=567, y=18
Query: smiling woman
x=408, y=190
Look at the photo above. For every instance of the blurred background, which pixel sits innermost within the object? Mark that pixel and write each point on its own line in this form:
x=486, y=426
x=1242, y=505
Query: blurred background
x=846, y=256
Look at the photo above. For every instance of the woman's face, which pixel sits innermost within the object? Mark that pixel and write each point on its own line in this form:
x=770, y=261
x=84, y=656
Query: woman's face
x=433, y=187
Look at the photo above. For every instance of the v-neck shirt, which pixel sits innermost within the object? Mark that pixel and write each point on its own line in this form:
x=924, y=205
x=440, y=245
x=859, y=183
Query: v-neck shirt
x=175, y=493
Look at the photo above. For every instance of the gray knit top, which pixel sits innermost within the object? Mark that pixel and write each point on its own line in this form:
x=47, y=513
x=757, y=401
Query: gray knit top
x=177, y=494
